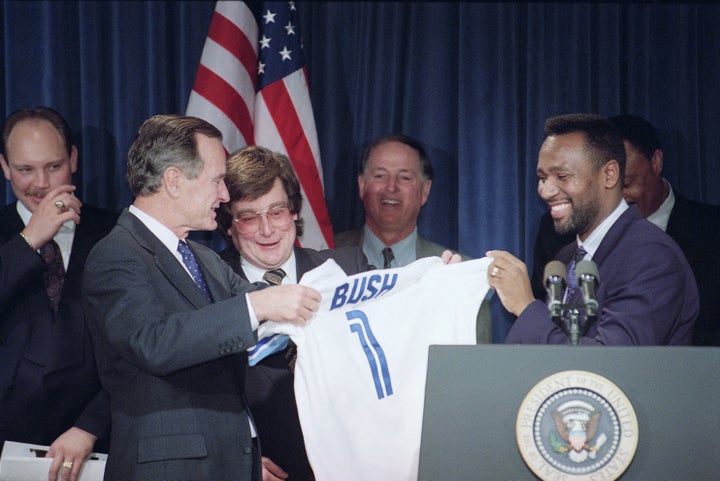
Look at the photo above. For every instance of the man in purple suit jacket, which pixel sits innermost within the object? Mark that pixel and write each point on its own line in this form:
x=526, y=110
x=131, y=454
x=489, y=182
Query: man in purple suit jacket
x=647, y=293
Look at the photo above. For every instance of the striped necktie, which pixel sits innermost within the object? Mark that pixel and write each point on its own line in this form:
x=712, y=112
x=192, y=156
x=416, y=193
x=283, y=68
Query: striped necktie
x=274, y=277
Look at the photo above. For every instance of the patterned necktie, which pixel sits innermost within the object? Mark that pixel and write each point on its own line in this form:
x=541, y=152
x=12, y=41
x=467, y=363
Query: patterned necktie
x=572, y=282
x=274, y=278
x=55, y=275
x=388, y=256
x=191, y=263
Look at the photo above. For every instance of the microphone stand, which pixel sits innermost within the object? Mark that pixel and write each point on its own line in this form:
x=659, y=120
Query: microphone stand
x=567, y=316
x=569, y=322
x=574, y=335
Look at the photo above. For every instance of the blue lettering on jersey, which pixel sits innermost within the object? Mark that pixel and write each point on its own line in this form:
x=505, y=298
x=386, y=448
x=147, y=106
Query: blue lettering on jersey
x=357, y=291
x=363, y=288
x=373, y=352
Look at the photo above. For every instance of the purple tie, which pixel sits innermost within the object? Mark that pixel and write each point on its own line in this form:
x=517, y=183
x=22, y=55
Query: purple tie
x=572, y=282
x=55, y=275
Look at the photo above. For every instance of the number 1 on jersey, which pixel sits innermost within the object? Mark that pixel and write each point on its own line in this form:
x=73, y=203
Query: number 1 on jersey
x=373, y=351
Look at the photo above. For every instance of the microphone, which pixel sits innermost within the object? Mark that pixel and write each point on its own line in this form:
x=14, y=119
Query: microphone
x=555, y=282
x=588, y=278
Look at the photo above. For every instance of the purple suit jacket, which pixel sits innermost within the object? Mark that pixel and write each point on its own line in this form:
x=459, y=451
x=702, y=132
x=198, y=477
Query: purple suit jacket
x=647, y=293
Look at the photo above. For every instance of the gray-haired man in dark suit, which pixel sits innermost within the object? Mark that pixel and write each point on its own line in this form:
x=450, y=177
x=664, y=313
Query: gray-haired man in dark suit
x=171, y=321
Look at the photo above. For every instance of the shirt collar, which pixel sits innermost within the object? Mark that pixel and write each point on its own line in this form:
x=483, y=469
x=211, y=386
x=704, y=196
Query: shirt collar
x=164, y=234
x=593, y=241
x=661, y=216
x=255, y=274
x=405, y=251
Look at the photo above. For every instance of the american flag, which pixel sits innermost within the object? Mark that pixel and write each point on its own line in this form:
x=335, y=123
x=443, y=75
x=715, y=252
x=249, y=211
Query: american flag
x=252, y=85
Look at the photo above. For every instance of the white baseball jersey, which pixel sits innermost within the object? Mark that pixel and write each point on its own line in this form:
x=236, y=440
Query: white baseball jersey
x=362, y=361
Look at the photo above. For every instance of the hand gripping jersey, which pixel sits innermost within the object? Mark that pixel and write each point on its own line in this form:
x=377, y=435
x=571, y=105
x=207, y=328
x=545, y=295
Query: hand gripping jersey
x=362, y=361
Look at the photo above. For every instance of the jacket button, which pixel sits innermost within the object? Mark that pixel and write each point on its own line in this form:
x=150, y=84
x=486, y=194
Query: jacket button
x=248, y=450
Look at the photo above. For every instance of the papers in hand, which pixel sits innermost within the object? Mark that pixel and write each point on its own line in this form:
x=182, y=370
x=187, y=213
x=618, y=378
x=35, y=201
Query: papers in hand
x=26, y=462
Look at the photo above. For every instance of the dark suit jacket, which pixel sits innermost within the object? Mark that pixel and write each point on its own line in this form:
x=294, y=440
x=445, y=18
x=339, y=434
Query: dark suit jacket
x=173, y=363
x=647, y=292
x=696, y=229
x=270, y=384
x=425, y=248
x=48, y=377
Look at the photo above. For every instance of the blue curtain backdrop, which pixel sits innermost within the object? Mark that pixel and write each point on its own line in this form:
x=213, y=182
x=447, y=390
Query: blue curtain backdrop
x=473, y=81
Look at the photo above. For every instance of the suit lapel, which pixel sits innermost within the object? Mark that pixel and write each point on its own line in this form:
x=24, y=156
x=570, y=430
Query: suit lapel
x=39, y=344
x=303, y=263
x=69, y=328
x=607, y=245
x=231, y=256
x=10, y=222
x=216, y=277
x=615, y=234
x=178, y=277
x=420, y=248
x=677, y=222
x=57, y=348
x=356, y=237
x=165, y=260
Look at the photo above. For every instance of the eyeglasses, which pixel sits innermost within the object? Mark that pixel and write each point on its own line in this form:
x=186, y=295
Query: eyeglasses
x=249, y=222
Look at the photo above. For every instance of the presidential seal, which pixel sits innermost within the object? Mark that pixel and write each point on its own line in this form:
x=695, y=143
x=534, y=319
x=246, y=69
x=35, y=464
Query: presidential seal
x=576, y=426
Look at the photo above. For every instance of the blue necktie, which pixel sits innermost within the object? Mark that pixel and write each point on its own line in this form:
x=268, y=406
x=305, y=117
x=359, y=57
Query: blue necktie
x=191, y=263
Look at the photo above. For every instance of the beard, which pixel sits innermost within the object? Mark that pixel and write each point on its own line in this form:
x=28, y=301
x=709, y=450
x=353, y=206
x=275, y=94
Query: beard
x=581, y=217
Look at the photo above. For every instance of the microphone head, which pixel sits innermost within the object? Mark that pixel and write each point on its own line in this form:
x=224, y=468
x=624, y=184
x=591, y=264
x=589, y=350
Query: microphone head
x=555, y=270
x=587, y=268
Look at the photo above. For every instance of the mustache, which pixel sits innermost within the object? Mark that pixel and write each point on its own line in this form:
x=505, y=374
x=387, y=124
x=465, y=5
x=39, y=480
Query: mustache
x=36, y=193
